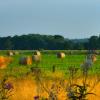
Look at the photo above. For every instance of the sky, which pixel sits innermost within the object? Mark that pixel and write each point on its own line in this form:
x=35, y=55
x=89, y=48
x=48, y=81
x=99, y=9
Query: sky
x=70, y=18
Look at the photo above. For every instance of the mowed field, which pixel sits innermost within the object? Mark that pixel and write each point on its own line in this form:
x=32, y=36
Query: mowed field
x=49, y=59
x=24, y=83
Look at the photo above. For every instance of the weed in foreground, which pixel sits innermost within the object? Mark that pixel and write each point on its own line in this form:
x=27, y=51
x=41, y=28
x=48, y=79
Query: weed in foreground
x=5, y=89
x=76, y=91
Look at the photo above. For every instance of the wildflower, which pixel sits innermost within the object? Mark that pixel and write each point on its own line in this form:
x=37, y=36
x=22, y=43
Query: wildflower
x=8, y=86
x=88, y=63
x=70, y=94
x=36, y=98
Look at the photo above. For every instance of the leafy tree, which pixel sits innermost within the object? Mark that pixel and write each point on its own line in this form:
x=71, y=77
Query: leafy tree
x=93, y=42
x=37, y=41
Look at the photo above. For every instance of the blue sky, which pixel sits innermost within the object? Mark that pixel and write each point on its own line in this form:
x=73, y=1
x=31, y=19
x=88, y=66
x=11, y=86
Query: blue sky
x=70, y=18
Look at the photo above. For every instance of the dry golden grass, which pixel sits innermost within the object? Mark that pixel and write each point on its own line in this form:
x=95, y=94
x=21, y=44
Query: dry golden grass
x=26, y=89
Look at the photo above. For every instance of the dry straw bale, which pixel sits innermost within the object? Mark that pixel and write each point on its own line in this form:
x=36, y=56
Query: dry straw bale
x=4, y=61
x=25, y=60
x=16, y=53
x=37, y=53
x=61, y=55
x=36, y=58
x=10, y=53
x=94, y=58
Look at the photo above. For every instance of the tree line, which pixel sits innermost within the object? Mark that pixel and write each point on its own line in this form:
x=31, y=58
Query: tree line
x=46, y=42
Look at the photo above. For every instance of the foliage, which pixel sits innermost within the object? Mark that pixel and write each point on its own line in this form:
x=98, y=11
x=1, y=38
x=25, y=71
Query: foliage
x=40, y=42
x=5, y=89
x=77, y=91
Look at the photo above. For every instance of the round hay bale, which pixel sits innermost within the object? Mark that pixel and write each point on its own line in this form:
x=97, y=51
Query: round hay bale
x=37, y=53
x=94, y=58
x=16, y=53
x=29, y=60
x=10, y=53
x=25, y=61
x=3, y=62
x=22, y=60
x=36, y=58
x=61, y=55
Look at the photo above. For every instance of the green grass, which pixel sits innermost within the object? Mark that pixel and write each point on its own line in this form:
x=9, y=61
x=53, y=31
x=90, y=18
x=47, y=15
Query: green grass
x=48, y=60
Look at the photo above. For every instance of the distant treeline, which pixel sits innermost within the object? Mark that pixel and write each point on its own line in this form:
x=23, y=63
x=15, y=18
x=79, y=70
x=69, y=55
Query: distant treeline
x=47, y=42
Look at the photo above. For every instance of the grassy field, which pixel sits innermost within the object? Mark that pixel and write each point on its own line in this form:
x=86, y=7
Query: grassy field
x=26, y=86
x=49, y=59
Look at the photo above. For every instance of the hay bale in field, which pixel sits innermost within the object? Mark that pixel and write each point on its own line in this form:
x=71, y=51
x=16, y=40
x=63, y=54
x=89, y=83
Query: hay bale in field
x=10, y=53
x=36, y=58
x=37, y=53
x=61, y=55
x=16, y=53
x=25, y=61
x=4, y=61
x=94, y=58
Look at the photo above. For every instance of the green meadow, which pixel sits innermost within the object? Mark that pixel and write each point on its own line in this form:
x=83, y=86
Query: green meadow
x=49, y=59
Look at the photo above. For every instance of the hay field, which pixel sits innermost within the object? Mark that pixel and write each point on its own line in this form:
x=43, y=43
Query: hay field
x=26, y=89
x=48, y=60
x=25, y=86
